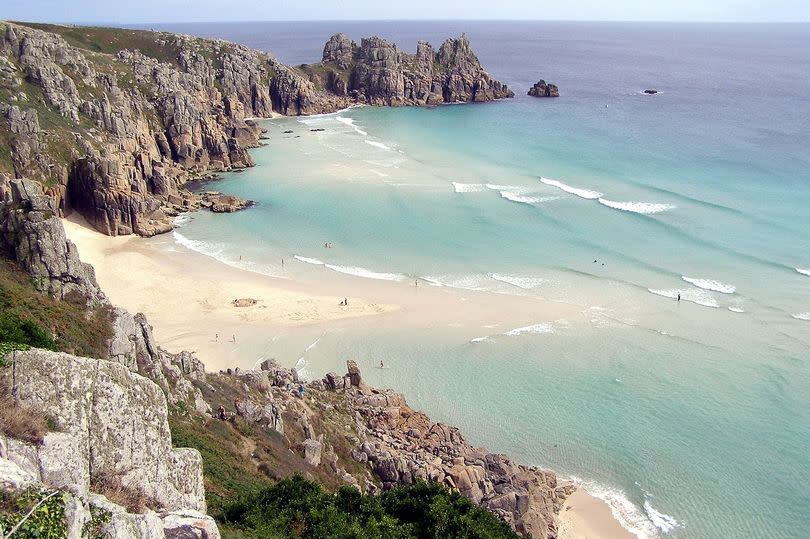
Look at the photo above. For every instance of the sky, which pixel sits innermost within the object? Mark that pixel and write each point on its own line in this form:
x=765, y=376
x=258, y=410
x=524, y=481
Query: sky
x=157, y=11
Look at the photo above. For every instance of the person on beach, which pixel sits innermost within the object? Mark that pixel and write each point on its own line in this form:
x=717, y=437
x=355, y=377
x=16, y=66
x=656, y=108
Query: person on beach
x=345, y=302
x=282, y=262
x=679, y=297
x=216, y=337
x=381, y=365
x=234, y=338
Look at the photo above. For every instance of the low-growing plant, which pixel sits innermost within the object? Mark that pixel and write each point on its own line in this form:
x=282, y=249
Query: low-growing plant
x=33, y=514
x=21, y=421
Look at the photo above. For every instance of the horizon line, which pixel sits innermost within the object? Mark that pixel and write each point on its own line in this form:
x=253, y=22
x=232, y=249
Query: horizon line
x=246, y=21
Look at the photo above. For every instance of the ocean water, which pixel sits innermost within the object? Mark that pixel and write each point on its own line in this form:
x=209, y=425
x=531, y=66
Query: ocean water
x=691, y=418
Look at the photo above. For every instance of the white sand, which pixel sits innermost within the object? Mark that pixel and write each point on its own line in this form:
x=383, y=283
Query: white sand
x=188, y=299
x=586, y=517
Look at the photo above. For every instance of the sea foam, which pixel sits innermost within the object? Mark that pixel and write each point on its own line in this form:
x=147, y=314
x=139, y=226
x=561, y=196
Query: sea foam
x=802, y=316
x=582, y=193
x=306, y=260
x=377, y=144
x=525, y=199
x=648, y=523
x=526, y=283
x=536, y=328
x=644, y=208
x=468, y=187
x=804, y=271
x=694, y=296
x=710, y=284
x=366, y=273
x=350, y=123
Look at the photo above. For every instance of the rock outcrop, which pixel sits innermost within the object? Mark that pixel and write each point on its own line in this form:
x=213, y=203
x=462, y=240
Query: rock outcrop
x=31, y=234
x=377, y=73
x=112, y=422
x=109, y=422
x=542, y=89
x=400, y=446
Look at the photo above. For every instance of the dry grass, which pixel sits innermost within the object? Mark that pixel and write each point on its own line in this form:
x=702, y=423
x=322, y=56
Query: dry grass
x=114, y=489
x=20, y=421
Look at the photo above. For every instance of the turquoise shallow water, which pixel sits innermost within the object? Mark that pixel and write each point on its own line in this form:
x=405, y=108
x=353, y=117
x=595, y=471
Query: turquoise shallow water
x=691, y=418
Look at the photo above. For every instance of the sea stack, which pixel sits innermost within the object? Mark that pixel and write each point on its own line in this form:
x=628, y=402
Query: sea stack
x=541, y=89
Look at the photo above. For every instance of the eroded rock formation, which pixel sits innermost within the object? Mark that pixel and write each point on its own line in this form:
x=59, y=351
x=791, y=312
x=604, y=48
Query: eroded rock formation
x=543, y=89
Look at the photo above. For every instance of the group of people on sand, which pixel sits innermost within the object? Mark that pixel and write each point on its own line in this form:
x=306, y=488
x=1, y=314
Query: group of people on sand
x=328, y=245
x=216, y=337
x=344, y=303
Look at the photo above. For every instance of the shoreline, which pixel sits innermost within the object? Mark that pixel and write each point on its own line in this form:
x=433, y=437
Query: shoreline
x=190, y=307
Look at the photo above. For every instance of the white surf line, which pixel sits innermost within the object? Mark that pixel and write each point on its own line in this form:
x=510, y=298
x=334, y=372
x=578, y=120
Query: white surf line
x=711, y=284
x=582, y=193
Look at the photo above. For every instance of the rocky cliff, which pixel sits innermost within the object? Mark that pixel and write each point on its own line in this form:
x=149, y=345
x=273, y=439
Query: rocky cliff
x=113, y=122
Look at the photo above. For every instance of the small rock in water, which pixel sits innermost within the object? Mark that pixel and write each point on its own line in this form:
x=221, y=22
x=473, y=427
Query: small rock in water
x=651, y=91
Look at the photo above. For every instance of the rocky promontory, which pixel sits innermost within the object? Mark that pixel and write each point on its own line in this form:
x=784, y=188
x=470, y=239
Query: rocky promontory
x=543, y=89
x=114, y=122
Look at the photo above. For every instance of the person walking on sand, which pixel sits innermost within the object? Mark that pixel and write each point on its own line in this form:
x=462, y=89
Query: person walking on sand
x=679, y=297
x=345, y=302
x=234, y=338
x=381, y=365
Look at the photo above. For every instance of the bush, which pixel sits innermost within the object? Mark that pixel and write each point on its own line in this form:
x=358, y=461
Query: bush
x=14, y=329
x=29, y=317
x=299, y=508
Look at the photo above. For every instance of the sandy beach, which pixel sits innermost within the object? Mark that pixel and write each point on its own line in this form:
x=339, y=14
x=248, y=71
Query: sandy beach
x=586, y=517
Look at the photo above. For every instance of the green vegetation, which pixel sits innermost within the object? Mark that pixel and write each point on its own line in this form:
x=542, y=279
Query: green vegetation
x=29, y=317
x=47, y=521
x=159, y=45
x=227, y=466
x=300, y=508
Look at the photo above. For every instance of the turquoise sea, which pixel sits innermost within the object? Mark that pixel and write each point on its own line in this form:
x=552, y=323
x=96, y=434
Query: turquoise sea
x=691, y=418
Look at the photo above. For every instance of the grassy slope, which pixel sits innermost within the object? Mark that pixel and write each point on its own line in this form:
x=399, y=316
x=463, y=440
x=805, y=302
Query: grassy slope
x=74, y=327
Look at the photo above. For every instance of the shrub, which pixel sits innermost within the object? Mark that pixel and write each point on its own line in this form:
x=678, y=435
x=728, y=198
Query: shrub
x=15, y=329
x=298, y=508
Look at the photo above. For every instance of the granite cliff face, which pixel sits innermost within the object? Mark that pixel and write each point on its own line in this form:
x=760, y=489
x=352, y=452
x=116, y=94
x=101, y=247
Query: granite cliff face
x=113, y=122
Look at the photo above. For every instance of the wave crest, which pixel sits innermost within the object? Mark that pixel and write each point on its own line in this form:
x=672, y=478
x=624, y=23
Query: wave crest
x=694, y=296
x=644, y=208
x=582, y=193
x=710, y=284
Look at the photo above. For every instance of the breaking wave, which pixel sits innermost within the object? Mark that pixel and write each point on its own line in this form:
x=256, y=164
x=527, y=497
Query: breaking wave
x=644, y=208
x=350, y=123
x=525, y=199
x=306, y=260
x=526, y=283
x=802, y=316
x=366, y=273
x=694, y=296
x=736, y=309
x=582, y=193
x=803, y=271
x=648, y=523
x=377, y=144
x=710, y=284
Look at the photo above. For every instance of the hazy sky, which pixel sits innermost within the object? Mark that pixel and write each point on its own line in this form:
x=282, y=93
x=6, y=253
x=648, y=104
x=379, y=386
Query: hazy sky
x=145, y=11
